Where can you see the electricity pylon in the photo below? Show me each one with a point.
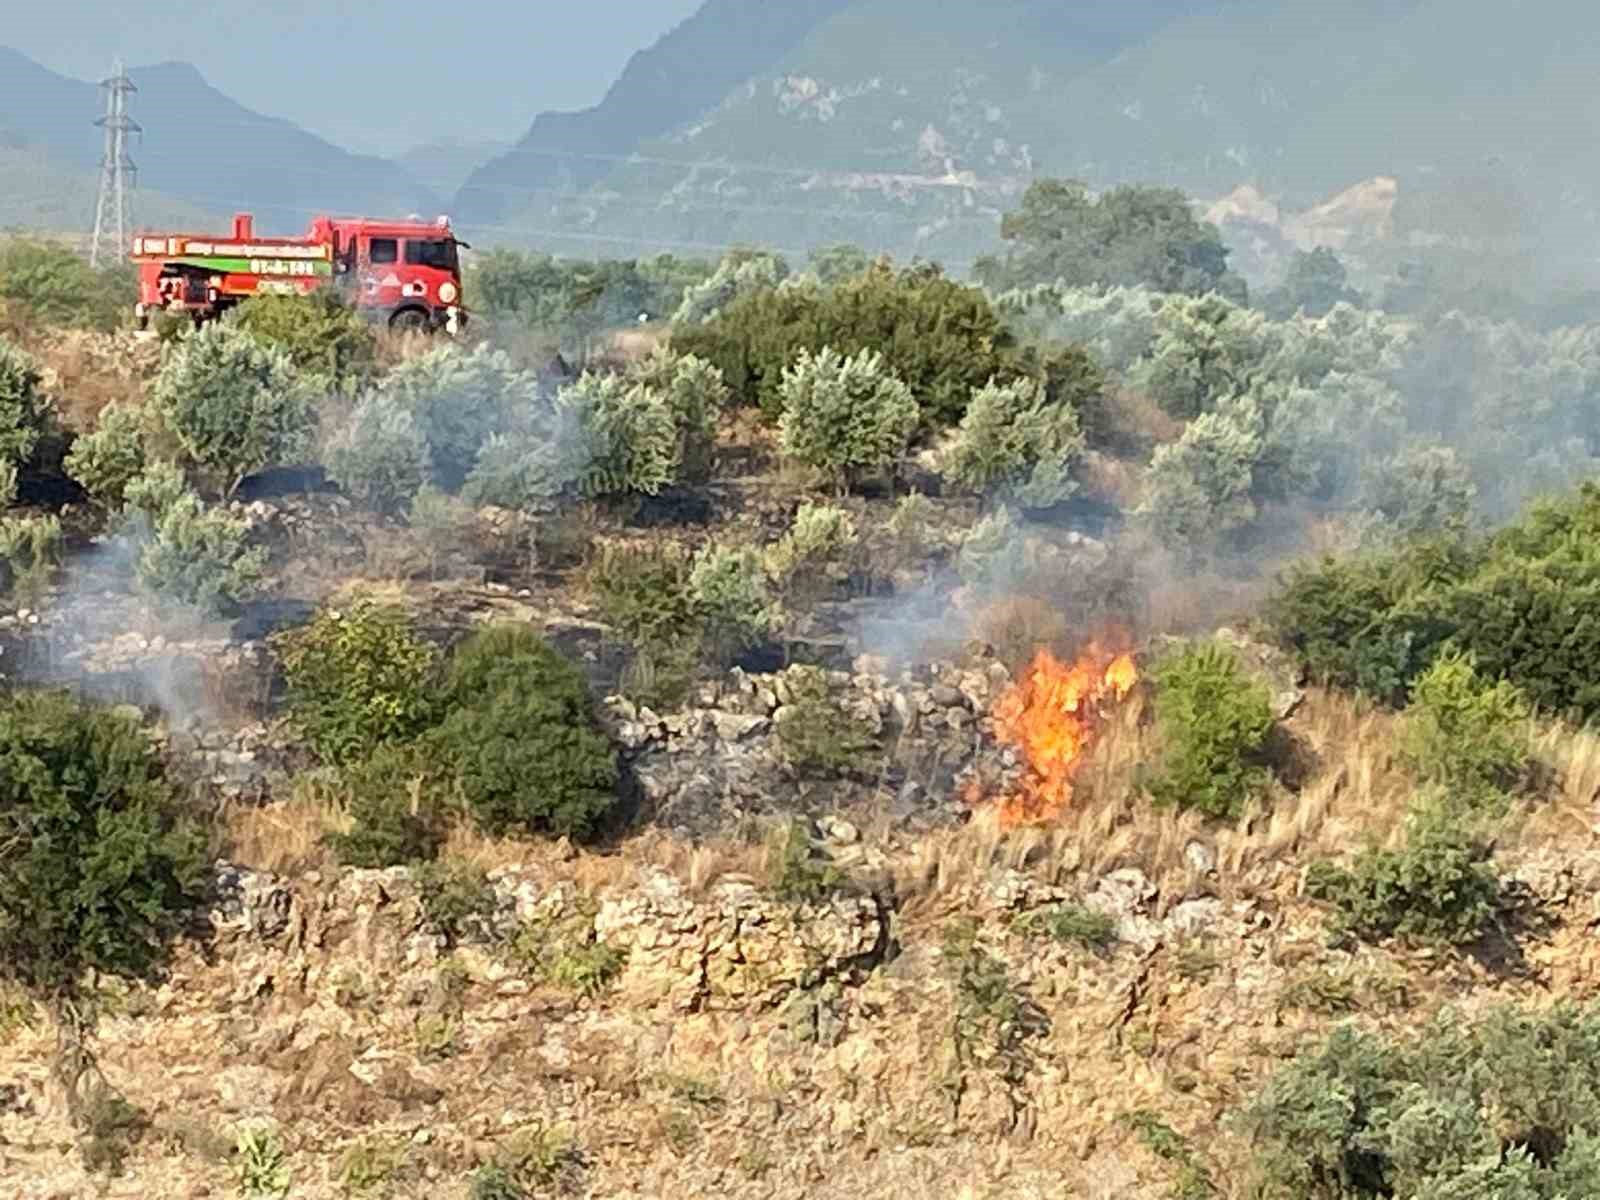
(113, 211)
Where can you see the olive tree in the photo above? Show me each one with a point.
(235, 403)
(845, 416)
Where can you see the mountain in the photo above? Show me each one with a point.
(909, 127)
(686, 73)
(443, 166)
(203, 149)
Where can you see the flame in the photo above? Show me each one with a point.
(1052, 715)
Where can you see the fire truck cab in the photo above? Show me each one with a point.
(407, 273)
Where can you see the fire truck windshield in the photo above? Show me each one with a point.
(437, 253)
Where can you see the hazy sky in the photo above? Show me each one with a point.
(372, 75)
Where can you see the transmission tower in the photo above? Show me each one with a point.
(113, 211)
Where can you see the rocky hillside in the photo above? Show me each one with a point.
(905, 127)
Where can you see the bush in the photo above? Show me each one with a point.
(1420, 491)
(358, 678)
(642, 591)
(1198, 489)
(379, 456)
(57, 287)
(1015, 443)
(740, 273)
(457, 898)
(815, 733)
(1493, 1107)
(394, 812)
(845, 416)
(521, 738)
(235, 404)
(1462, 732)
(458, 400)
(322, 335)
(188, 552)
(942, 338)
(104, 462)
(1438, 889)
(627, 439)
(991, 550)
(25, 416)
(1088, 927)
(100, 867)
(441, 522)
(1516, 602)
(814, 547)
(1214, 723)
(696, 395)
(30, 551)
(795, 873)
(729, 589)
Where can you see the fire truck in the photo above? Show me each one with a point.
(407, 273)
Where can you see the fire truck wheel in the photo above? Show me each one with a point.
(410, 320)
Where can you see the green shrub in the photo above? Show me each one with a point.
(380, 455)
(189, 552)
(521, 739)
(1516, 602)
(1420, 491)
(30, 552)
(845, 416)
(740, 273)
(814, 731)
(1214, 721)
(458, 399)
(101, 868)
(1464, 733)
(358, 678)
(564, 951)
(1438, 889)
(626, 435)
(811, 554)
(1087, 927)
(441, 522)
(796, 874)
(696, 395)
(57, 287)
(642, 590)
(1492, 1108)
(235, 404)
(992, 549)
(1199, 489)
(263, 1164)
(941, 337)
(1016, 444)
(104, 462)
(25, 415)
(728, 586)
(394, 810)
(457, 900)
(322, 335)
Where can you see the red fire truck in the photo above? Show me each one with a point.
(405, 272)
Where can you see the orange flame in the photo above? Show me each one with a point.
(1052, 715)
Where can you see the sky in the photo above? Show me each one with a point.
(373, 76)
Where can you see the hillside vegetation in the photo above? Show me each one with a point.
(860, 733)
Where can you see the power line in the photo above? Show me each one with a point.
(113, 210)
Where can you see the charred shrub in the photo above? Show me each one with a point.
(358, 678)
(521, 740)
(1214, 722)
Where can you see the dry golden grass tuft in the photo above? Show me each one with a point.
(287, 837)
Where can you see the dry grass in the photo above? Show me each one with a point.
(1355, 794)
(287, 837)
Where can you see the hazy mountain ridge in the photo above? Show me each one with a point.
(201, 148)
(910, 128)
